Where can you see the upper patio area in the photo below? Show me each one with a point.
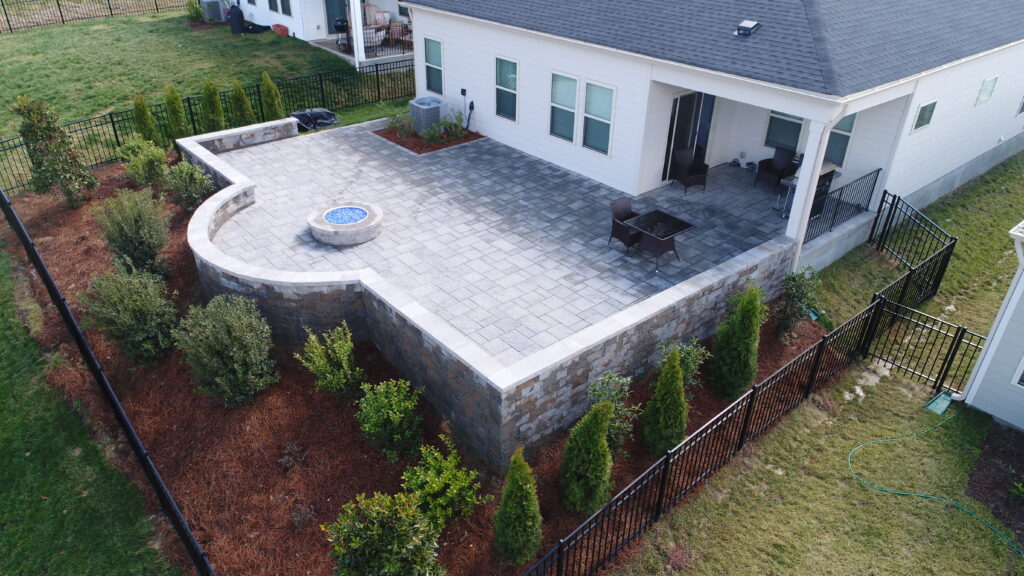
(508, 249)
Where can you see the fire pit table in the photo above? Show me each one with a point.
(658, 232)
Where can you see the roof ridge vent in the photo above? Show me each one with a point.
(747, 27)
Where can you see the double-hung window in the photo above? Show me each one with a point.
(432, 61)
(597, 118)
(839, 140)
(987, 88)
(506, 87)
(286, 7)
(273, 5)
(563, 107)
(783, 130)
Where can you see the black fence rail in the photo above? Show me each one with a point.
(841, 204)
(167, 502)
(920, 282)
(24, 14)
(99, 137)
(905, 232)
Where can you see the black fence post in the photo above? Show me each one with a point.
(60, 12)
(909, 277)
(111, 8)
(878, 215)
(113, 124)
(878, 307)
(259, 100)
(747, 416)
(812, 378)
(884, 234)
(376, 72)
(947, 363)
(7, 16)
(191, 114)
(156, 5)
(945, 264)
(323, 94)
(560, 569)
(663, 485)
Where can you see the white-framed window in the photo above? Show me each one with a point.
(987, 88)
(597, 117)
(432, 62)
(563, 106)
(252, 2)
(273, 5)
(286, 7)
(506, 88)
(924, 115)
(839, 140)
(783, 130)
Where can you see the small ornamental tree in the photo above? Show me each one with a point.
(443, 487)
(241, 108)
(273, 108)
(517, 524)
(615, 389)
(177, 122)
(331, 358)
(227, 345)
(193, 11)
(586, 478)
(387, 416)
(56, 163)
(667, 413)
(736, 343)
(384, 535)
(213, 108)
(135, 226)
(145, 124)
(799, 294)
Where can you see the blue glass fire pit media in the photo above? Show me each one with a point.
(345, 215)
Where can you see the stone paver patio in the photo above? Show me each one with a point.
(509, 249)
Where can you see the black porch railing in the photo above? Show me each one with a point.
(842, 204)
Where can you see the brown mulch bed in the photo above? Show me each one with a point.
(416, 144)
(255, 482)
(1000, 465)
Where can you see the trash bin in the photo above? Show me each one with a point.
(236, 19)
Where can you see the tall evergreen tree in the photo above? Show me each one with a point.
(736, 344)
(145, 125)
(586, 479)
(177, 122)
(241, 109)
(273, 108)
(665, 415)
(517, 524)
(213, 108)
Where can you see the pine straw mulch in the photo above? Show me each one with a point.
(256, 482)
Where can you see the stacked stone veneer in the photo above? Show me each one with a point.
(492, 407)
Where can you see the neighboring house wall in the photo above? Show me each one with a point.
(930, 162)
(260, 13)
(314, 19)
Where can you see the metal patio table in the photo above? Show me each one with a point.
(658, 232)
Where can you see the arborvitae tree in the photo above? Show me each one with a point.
(177, 122)
(145, 125)
(273, 108)
(666, 413)
(241, 109)
(213, 108)
(55, 160)
(517, 524)
(586, 479)
(736, 344)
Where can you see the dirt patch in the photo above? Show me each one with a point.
(1000, 465)
(416, 144)
(255, 482)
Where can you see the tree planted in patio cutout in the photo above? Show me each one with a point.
(56, 163)
(736, 344)
(586, 479)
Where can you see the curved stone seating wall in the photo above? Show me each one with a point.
(492, 407)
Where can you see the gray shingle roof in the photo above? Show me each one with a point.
(837, 47)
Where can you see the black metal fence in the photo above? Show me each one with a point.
(24, 14)
(99, 137)
(170, 507)
(842, 204)
(905, 232)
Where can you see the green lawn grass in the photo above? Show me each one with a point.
(93, 67)
(790, 505)
(63, 509)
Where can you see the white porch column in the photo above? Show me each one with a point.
(807, 178)
(356, 23)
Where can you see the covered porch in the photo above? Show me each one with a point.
(368, 33)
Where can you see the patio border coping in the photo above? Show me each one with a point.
(240, 192)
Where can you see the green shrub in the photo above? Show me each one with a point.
(134, 225)
(432, 134)
(383, 535)
(227, 345)
(131, 307)
(443, 488)
(452, 126)
(735, 365)
(517, 524)
(667, 413)
(586, 477)
(273, 108)
(55, 162)
(177, 122)
(145, 162)
(331, 358)
(193, 11)
(241, 108)
(387, 416)
(213, 108)
(799, 294)
(401, 124)
(145, 125)
(189, 185)
(615, 389)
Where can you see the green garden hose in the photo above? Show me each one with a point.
(849, 463)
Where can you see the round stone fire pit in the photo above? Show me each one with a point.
(347, 224)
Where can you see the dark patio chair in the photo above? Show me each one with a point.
(773, 170)
(688, 171)
(657, 247)
(821, 192)
(622, 210)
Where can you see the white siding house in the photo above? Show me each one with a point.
(997, 384)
